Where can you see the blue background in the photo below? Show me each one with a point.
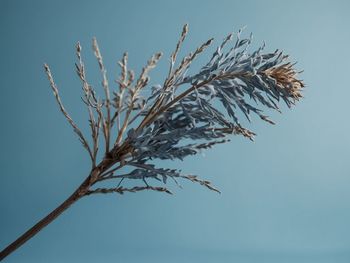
(285, 197)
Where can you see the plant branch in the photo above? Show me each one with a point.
(65, 113)
(122, 190)
(171, 118)
(150, 118)
(95, 126)
(107, 122)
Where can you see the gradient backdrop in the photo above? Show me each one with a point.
(285, 197)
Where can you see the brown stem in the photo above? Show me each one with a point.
(46, 220)
(79, 193)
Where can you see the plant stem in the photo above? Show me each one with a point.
(78, 193)
(46, 220)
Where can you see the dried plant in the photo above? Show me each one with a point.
(185, 115)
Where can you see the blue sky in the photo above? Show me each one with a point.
(285, 197)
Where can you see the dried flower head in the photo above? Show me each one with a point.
(286, 77)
